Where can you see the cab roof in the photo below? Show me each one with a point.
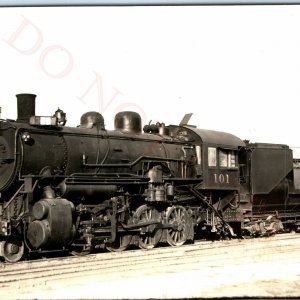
(217, 138)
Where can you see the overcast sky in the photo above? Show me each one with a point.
(236, 68)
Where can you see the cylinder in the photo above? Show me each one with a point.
(170, 190)
(40, 209)
(159, 194)
(86, 190)
(26, 107)
(38, 233)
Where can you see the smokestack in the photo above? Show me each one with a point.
(26, 107)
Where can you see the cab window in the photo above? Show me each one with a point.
(212, 157)
(232, 160)
(223, 159)
(227, 158)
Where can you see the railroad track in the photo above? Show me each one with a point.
(30, 274)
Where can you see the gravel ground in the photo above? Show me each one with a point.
(252, 268)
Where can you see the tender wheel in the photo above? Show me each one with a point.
(120, 244)
(13, 249)
(149, 236)
(179, 220)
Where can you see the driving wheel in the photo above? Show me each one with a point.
(149, 235)
(180, 225)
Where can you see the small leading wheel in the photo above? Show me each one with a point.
(180, 223)
(120, 244)
(81, 248)
(149, 236)
(13, 249)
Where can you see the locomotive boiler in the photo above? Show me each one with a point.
(79, 189)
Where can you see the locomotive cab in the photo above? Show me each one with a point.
(216, 160)
(220, 159)
(221, 167)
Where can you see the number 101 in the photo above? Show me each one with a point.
(221, 178)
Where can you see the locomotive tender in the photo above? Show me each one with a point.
(81, 188)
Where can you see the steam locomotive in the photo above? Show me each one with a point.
(79, 189)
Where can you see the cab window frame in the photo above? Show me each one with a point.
(218, 157)
(212, 157)
(229, 159)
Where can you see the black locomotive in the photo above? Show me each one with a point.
(81, 188)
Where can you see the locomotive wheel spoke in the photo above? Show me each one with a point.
(149, 236)
(178, 218)
(120, 244)
(122, 240)
(13, 249)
